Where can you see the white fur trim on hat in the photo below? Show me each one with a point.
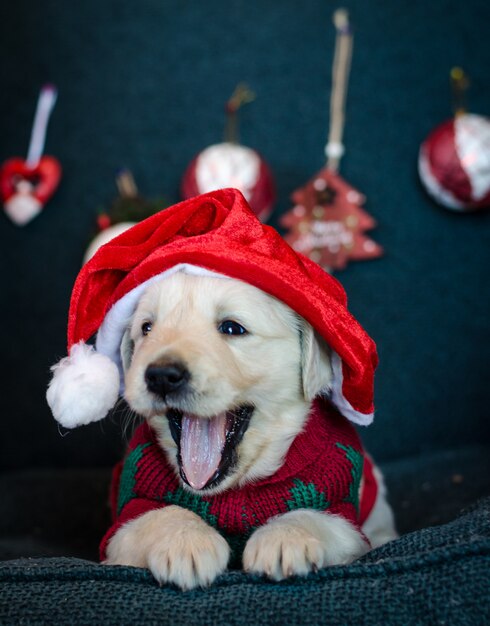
(84, 387)
(337, 397)
(86, 384)
(117, 319)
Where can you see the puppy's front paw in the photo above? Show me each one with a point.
(175, 544)
(302, 541)
(281, 550)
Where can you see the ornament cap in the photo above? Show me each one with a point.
(334, 150)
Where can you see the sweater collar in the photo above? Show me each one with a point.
(323, 425)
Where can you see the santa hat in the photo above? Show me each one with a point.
(212, 234)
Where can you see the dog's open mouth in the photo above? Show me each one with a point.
(207, 446)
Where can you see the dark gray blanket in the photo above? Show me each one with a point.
(440, 575)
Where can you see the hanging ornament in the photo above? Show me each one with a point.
(27, 184)
(230, 164)
(126, 210)
(454, 160)
(327, 222)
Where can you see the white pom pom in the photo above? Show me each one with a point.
(84, 387)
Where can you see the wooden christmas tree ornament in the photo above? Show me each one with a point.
(327, 222)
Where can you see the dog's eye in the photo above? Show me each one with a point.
(146, 327)
(229, 327)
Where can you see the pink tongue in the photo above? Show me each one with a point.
(201, 444)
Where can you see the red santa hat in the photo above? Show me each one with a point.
(217, 234)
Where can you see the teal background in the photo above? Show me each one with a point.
(143, 84)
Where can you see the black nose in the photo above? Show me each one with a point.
(164, 379)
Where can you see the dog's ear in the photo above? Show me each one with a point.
(316, 366)
(127, 348)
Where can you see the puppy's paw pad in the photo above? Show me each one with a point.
(281, 551)
(194, 562)
(300, 542)
(175, 544)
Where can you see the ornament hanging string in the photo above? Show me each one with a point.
(459, 86)
(45, 104)
(126, 185)
(334, 149)
(242, 95)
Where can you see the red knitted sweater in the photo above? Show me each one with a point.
(325, 469)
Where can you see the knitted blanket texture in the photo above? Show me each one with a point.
(439, 575)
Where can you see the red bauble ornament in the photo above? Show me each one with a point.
(232, 165)
(454, 163)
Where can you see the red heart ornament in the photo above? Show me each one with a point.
(25, 189)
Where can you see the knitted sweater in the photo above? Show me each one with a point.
(324, 469)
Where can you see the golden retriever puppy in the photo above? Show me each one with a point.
(227, 379)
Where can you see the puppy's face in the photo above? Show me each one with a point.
(224, 373)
